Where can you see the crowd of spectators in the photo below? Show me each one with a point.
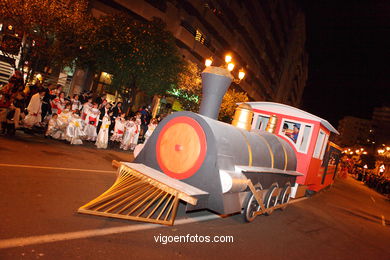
(378, 182)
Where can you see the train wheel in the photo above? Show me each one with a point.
(284, 197)
(271, 199)
(251, 206)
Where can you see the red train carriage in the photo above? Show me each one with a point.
(308, 135)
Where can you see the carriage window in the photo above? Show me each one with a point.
(320, 145)
(262, 122)
(305, 138)
(298, 133)
(291, 130)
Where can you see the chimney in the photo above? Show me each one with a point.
(215, 82)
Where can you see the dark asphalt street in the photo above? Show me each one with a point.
(38, 217)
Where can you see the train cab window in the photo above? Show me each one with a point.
(298, 133)
(319, 150)
(262, 122)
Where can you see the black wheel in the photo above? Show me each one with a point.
(284, 196)
(271, 199)
(250, 207)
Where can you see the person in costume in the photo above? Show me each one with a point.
(137, 123)
(130, 128)
(87, 106)
(152, 125)
(74, 130)
(58, 103)
(102, 138)
(76, 104)
(53, 128)
(34, 110)
(119, 128)
(91, 121)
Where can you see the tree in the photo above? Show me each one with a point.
(189, 93)
(141, 56)
(51, 33)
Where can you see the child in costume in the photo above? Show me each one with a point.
(130, 128)
(91, 121)
(152, 125)
(102, 138)
(74, 130)
(119, 128)
(53, 128)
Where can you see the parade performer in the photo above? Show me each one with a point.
(34, 110)
(76, 104)
(137, 123)
(53, 128)
(74, 130)
(119, 128)
(87, 106)
(151, 127)
(58, 103)
(130, 129)
(102, 138)
(91, 121)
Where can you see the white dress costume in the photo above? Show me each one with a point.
(119, 129)
(91, 124)
(34, 111)
(63, 121)
(128, 136)
(76, 105)
(102, 138)
(148, 133)
(74, 130)
(53, 129)
(134, 140)
(86, 109)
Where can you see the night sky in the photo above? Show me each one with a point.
(349, 57)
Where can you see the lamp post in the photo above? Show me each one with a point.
(215, 82)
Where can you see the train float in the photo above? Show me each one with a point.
(270, 153)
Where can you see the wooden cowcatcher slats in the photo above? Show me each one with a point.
(138, 196)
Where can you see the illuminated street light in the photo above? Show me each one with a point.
(241, 74)
(228, 58)
(230, 66)
(208, 62)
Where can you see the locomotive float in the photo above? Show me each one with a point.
(270, 153)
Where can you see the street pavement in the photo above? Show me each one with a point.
(43, 182)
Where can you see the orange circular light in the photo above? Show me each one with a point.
(181, 147)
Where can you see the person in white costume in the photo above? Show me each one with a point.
(137, 122)
(76, 104)
(64, 119)
(102, 138)
(91, 121)
(152, 125)
(119, 128)
(74, 130)
(53, 128)
(130, 128)
(87, 106)
(34, 110)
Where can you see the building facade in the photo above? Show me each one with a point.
(381, 124)
(355, 131)
(266, 38)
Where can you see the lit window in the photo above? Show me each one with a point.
(199, 36)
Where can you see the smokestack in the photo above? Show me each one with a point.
(215, 82)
